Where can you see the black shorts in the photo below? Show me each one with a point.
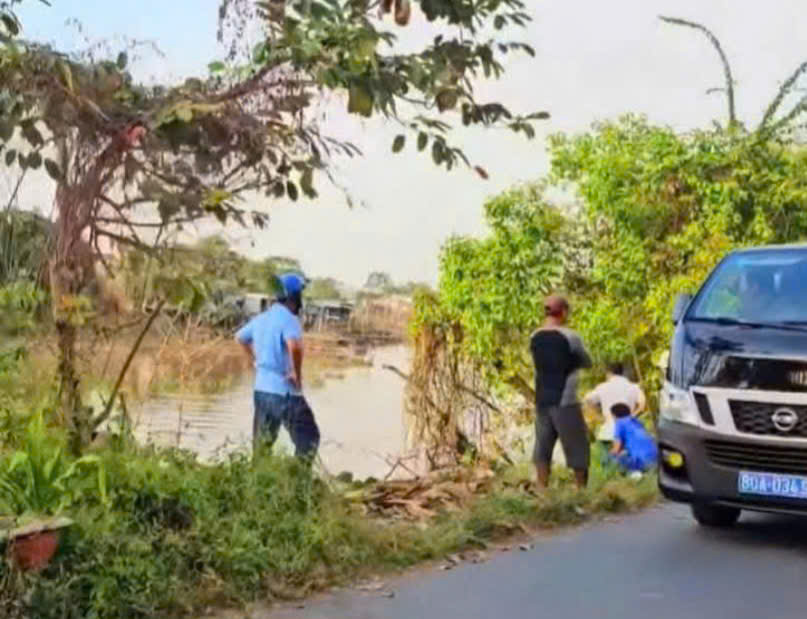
(566, 423)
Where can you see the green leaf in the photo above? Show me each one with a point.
(423, 140)
(360, 101)
(291, 190)
(437, 152)
(11, 155)
(365, 49)
(447, 99)
(11, 24)
(32, 134)
(399, 143)
(216, 67)
(67, 75)
(123, 60)
(34, 161)
(184, 113)
(307, 183)
(6, 129)
(528, 49)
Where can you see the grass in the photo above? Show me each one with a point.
(176, 536)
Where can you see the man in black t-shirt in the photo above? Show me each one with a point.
(559, 355)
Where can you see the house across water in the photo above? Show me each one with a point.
(326, 315)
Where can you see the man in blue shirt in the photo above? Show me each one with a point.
(273, 340)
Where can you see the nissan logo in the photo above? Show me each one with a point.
(785, 419)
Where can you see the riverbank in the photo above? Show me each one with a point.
(195, 361)
(170, 537)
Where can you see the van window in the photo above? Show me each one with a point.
(766, 286)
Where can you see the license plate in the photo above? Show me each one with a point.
(772, 484)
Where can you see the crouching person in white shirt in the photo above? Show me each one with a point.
(616, 389)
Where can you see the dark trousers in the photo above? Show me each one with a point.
(294, 414)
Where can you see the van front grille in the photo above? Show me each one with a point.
(751, 457)
(757, 418)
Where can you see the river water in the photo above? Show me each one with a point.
(360, 415)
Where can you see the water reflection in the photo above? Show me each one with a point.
(360, 417)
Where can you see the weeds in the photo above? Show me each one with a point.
(158, 534)
(39, 480)
(174, 536)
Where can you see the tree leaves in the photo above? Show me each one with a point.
(423, 141)
(11, 156)
(437, 152)
(31, 134)
(53, 170)
(399, 143)
(67, 75)
(447, 99)
(307, 183)
(360, 101)
(6, 129)
(184, 113)
(291, 190)
(34, 160)
(491, 289)
(11, 24)
(216, 67)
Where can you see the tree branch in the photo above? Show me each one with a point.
(110, 403)
(470, 392)
(785, 90)
(723, 59)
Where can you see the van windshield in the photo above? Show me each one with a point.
(763, 287)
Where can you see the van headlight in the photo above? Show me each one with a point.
(676, 405)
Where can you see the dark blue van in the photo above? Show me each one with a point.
(733, 409)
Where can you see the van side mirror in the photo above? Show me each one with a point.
(682, 302)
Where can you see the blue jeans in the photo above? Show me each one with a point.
(294, 414)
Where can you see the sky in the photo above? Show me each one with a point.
(595, 61)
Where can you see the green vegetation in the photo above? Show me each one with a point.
(23, 237)
(169, 536)
(131, 164)
(155, 532)
(656, 211)
(190, 275)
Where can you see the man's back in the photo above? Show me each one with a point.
(268, 333)
(616, 390)
(558, 354)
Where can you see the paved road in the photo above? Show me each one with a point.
(656, 565)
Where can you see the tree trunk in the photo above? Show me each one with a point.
(73, 412)
(69, 268)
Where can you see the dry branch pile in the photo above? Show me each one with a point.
(424, 497)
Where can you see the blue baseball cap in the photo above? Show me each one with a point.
(290, 284)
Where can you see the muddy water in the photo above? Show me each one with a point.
(360, 417)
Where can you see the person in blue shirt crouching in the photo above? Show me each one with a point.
(273, 340)
(634, 450)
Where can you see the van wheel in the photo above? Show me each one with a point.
(715, 515)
